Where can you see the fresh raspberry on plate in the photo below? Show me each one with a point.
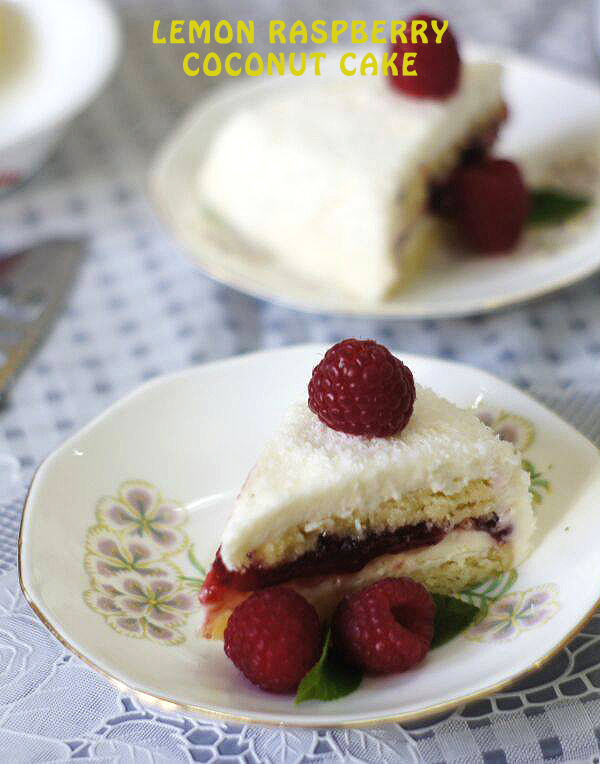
(490, 203)
(386, 627)
(437, 64)
(274, 638)
(360, 388)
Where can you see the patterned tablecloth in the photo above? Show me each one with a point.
(139, 309)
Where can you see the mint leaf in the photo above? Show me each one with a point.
(451, 617)
(328, 679)
(550, 206)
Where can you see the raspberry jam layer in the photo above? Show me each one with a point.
(336, 555)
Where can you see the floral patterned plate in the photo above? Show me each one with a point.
(122, 520)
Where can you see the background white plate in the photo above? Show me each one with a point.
(194, 435)
(547, 109)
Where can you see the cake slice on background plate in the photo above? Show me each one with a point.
(373, 478)
(336, 177)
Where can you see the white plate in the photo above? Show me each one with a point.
(192, 437)
(55, 59)
(451, 285)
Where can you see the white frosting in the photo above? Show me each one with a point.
(321, 174)
(309, 472)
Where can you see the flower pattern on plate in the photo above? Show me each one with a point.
(135, 584)
(139, 606)
(510, 427)
(109, 553)
(516, 613)
(140, 511)
(520, 432)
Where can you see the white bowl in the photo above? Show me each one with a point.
(54, 59)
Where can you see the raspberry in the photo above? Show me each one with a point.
(437, 64)
(274, 638)
(490, 204)
(386, 627)
(360, 388)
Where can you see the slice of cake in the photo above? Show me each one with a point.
(333, 177)
(442, 500)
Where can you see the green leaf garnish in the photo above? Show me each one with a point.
(550, 206)
(328, 679)
(451, 617)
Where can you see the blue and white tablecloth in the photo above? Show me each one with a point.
(139, 309)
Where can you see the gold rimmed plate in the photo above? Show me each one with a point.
(122, 520)
(560, 150)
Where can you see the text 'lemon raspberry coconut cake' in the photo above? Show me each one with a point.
(374, 477)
